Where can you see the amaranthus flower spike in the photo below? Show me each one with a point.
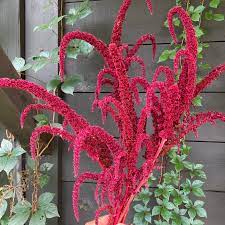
(120, 178)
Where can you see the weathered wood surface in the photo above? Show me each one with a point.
(208, 148)
(35, 42)
(88, 67)
(10, 27)
(138, 21)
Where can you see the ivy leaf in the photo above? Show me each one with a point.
(45, 198)
(139, 208)
(49, 26)
(195, 16)
(78, 13)
(6, 147)
(201, 212)
(218, 17)
(214, 3)
(166, 214)
(20, 65)
(7, 163)
(18, 151)
(38, 218)
(45, 58)
(198, 192)
(199, 9)
(22, 212)
(45, 167)
(138, 218)
(148, 217)
(68, 85)
(185, 220)
(3, 208)
(79, 47)
(44, 179)
(192, 213)
(51, 211)
(156, 210)
(53, 84)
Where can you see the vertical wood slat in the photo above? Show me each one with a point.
(35, 42)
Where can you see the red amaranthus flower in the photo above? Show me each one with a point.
(120, 178)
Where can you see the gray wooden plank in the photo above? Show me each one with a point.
(88, 67)
(40, 40)
(211, 155)
(211, 101)
(101, 21)
(36, 42)
(10, 27)
(214, 206)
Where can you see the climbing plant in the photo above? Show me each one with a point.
(175, 196)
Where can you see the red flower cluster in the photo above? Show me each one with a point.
(120, 178)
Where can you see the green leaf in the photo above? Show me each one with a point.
(6, 146)
(4, 220)
(51, 211)
(78, 13)
(22, 212)
(198, 192)
(45, 199)
(78, 47)
(53, 84)
(209, 15)
(199, 32)
(20, 64)
(45, 167)
(44, 179)
(38, 218)
(199, 203)
(195, 17)
(148, 217)
(214, 3)
(199, 9)
(218, 17)
(39, 63)
(197, 101)
(18, 151)
(201, 212)
(164, 56)
(168, 205)
(68, 85)
(49, 26)
(192, 213)
(7, 163)
(22, 207)
(166, 214)
(139, 208)
(138, 218)
(185, 220)
(156, 210)
(197, 184)
(3, 208)
(41, 118)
